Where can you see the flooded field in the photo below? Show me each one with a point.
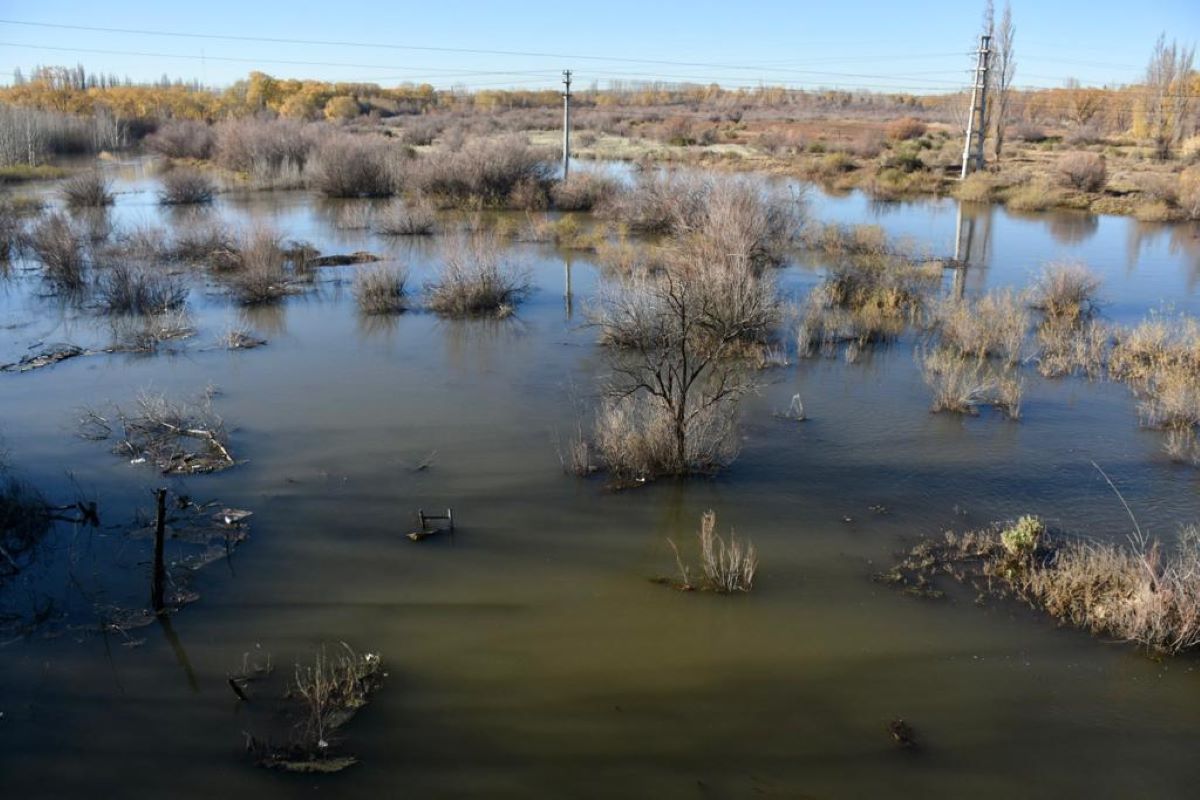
(530, 654)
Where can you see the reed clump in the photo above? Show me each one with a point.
(87, 190)
(406, 219)
(963, 383)
(993, 325)
(474, 281)
(726, 566)
(60, 249)
(1066, 292)
(1139, 592)
(139, 290)
(381, 289)
(186, 187)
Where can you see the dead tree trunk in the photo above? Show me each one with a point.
(159, 579)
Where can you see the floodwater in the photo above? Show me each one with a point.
(529, 655)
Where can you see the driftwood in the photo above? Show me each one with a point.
(358, 257)
(45, 358)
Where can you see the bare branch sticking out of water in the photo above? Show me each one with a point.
(177, 437)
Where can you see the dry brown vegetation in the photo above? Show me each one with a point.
(406, 219)
(60, 249)
(139, 290)
(186, 187)
(474, 281)
(993, 325)
(1086, 172)
(86, 190)
(725, 566)
(1141, 592)
(381, 289)
(963, 382)
(176, 437)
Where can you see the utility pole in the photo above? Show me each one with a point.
(566, 122)
(973, 149)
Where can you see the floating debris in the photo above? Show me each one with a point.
(358, 257)
(45, 358)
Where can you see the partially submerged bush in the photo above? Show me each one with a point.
(1138, 592)
(991, 326)
(1086, 172)
(176, 437)
(658, 203)
(138, 290)
(474, 281)
(60, 249)
(636, 439)
(740, 223)
(963, 383)
(260, 269)
(381, 289)
(183, 187)
(406, 219)
(727, 566)
(323, 698)
(261, 146)
(87, 190)
(1066, 292)
(1072, 347)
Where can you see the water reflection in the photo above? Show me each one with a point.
(1069, 227)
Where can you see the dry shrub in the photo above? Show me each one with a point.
(1065, 292)
(963, 383)
(727, 566)
(1067, 348)
(905, 128)
(658, 202)
(183, 138)
(1033, 196)
(381, 289)
(246, 145)
(1189, 192)
(139, 290)
(1085, 172)
(356, 166)
(185, 187)
(635, 438)
(474, 281)
(483, 172)
(143, 333)
(1137, 592)
(979, 187)
(260, 268)
(1158, 344)
(740, 223)
(992, 326)
(60, 249)
(406, 219)
(847, 240)
(582, 191)
(86, 190)
(209, 241)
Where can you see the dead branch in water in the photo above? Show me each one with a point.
(177, 437)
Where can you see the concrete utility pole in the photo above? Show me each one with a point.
(566, 123)
(975, 119)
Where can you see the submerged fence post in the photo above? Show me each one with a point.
(159, 579)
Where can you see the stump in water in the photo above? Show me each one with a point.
(158, 581)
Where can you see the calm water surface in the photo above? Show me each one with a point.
(530, 655)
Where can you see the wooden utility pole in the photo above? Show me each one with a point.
(973, 149)
(566, 158)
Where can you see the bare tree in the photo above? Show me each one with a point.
(1167, 94)
(675, 346)
(988, 28)
(1004, 67)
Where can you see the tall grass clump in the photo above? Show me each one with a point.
(183, 138)
(474, 281)
(727, 566)
(406, 219)
(347, 165)
(381, 289)
(60, 249)
(1066, 292)
(963, 383)
(992, 326)
(86, 190)
(186, 187)
(125, 289)
(260, 269)
(582, 191)
(1140, 591)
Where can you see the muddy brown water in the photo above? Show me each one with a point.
(530, 656)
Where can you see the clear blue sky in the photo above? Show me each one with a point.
(913, 46)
